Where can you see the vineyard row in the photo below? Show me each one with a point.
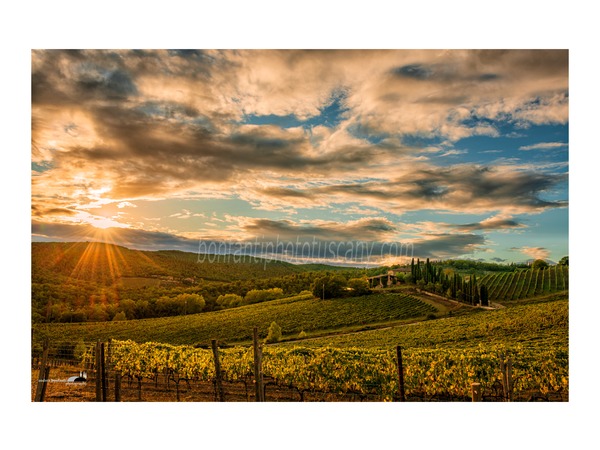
(437, 372)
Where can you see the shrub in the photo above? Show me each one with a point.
(119, 316)
(80, 349)
(274, 334)
(229, 300)
(262, 295)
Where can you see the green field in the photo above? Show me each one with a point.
(505, 286)
(294, 314)
(540, 324)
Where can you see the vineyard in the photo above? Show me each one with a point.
(543, 324)
(293, 314)
(428, 373)
(441, 360)
(527, 283)
(336, 374)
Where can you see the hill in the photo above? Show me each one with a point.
(79, 282)
(542, 323)
(107, 263)
(293, 314)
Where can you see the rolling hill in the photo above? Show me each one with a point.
(106, 263)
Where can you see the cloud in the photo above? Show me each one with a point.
(459, 188)
(126, 205)
(357, 243)
(533, 252)
(454, 152)
(131, 238)
(364, 229)
(140, 114)
(544, 146)
(441, 246)
(490, 224)
(118, 127)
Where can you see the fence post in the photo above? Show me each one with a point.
(400, 373)
(507, 382)
(219, 383)
(103, 372)
(98, 367)
(476, 393)
(263, 387)
(40, 390)
(108, 362)
(45, 385)
(257, 367)
(509, 379)
(117, 387)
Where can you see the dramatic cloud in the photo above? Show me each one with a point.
(122, 138)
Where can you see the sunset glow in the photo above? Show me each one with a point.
(459, 153)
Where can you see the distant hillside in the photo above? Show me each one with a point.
(106, 263)
(294, 315)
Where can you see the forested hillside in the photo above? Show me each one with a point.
(80, 282)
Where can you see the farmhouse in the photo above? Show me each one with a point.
(388, 279)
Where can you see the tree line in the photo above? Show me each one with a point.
(439, 280)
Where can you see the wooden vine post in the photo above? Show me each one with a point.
(219, 378)
(117, 387)
(101, 386)
(43, 374)
(258, 376)
(476, 392)
(400, 373)
(103, 372)
(507, 381)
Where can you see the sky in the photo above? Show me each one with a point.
(351, 157)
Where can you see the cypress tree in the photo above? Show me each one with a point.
(454, 285)
(483, 295)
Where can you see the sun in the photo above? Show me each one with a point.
(97, 221)
(104, 222)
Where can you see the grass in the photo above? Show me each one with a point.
(540, 322)
(293, 314)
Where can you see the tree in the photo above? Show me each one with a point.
(128, 308)
(142, 309)
(483, 295)
(274, 334)
(189, 303)
(564, 261)
(229, 300)
(328, 286)
(119, 316)
(359, 286)
(262, 295)
(539, 264)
